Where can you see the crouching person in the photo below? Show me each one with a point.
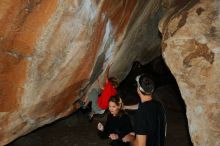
(118, 123)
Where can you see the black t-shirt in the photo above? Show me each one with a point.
(150, 120)
(120, 125)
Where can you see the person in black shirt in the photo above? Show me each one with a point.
(118, 123)
(150, 120)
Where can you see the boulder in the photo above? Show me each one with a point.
(191, 49)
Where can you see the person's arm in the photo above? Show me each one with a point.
(106, 75)
(100, 85)
(140, 140)
(131, 107)
(126, 126)
(103, 130)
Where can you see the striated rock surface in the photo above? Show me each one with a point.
(53, 50)
(191, 49)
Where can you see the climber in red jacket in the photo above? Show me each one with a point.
(100, 97)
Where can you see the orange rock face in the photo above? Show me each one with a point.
(21, 23)
(52, 50)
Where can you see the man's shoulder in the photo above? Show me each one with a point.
(150, 103)
(157, 103)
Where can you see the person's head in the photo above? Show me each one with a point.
(114, 81)
(145, 84)
(115, 105)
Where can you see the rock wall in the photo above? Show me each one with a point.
(53, 50)
(191, 49)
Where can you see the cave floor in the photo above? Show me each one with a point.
(76, 130)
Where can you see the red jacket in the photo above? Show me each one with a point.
(103, 99)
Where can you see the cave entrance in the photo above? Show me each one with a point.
(167, 92)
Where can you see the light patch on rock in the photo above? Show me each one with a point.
(91, 9)
(216, 50)
(107, 39)
(202, 39)
(108, 44)
(198, 109)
